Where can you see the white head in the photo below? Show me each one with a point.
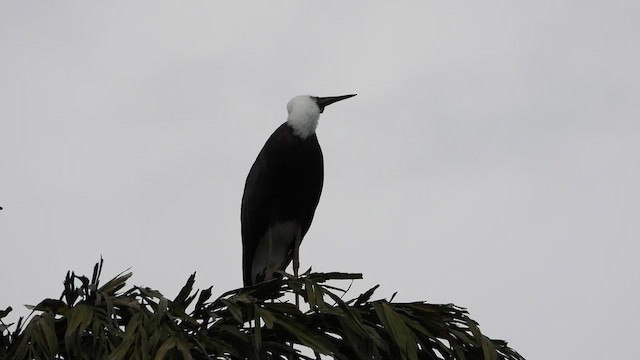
(304, 113)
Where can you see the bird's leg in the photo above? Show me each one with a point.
(296, 254)
(296, 268)
(296, 261)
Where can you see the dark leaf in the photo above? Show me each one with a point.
(5, 312)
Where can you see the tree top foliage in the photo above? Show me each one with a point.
(111, 321)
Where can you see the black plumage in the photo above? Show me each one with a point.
(284, 185)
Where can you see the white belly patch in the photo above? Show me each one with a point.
(282, 236)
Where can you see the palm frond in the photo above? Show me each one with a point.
(89, 321)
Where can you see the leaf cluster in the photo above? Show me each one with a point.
(93, 321)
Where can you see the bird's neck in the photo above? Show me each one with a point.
(303, 126)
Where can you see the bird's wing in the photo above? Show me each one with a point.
(255, 202)
(259, 192)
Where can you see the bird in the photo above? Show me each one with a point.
(282, 191)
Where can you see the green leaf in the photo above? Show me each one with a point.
(53, 305)
(473, 326)
(399, 331)
(173, 343)
(129, 338)
(266, 315)
(115, 284)
(305, 335)
(488, 351)
(322, 277)
(363, 298)
(183, 346)
(5, 312)
(311, 298)
(182, 299)
(163, 305)
(47, 328)
(79, 317)
(234, 309)
(319, 298)
(257, 331)
(348, 312)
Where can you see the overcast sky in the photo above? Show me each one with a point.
(490, 159)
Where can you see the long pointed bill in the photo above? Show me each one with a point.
(326, 101)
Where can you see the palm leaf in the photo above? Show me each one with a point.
(113, 322)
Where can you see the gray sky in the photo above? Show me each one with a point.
(489, 160)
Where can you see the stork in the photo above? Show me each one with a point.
(282, 191)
